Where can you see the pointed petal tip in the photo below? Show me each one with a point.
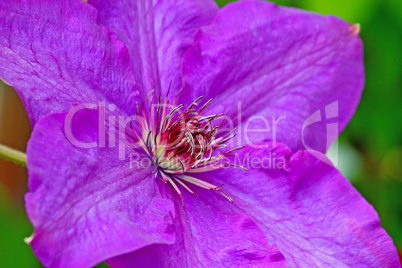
(29, 239)
(355, 29)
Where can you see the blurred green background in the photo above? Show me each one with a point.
(370, 147)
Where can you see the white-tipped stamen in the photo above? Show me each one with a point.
(182, 142)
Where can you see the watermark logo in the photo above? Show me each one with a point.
(330, 118)
(114, 132)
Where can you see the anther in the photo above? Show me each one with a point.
(182, 142)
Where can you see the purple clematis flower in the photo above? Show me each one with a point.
(89, 202)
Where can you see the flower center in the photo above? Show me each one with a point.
(182, 141)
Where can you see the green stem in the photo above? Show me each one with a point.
(13, 155)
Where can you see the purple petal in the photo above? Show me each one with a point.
(86, 205)
(157, 34)
(308, 209)
(56, 56)
(277, 61)
(207, 235)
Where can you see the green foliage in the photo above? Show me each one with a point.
(354, 11)
(14, 227)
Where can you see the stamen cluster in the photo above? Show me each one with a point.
(182, 141)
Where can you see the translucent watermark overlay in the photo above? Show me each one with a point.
(115, 131)
(247, 161)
